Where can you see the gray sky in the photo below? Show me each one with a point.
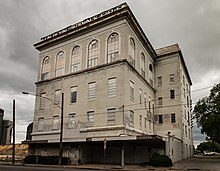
(193, 24)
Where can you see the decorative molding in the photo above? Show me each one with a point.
(86, 21)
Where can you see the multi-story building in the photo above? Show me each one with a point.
(120, 94)
(5, 129)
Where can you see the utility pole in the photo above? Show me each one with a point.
(13, 145)
(61, 131)
(61, 121)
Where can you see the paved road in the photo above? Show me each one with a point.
(26, 168)
(211, 163)
(202, 163)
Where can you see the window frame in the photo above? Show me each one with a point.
(91, 116)
(131, 117)
(142, 65)
(173, 118)
(140, 121)
(113, 54)
(93, 53)
(159, 81)
(55, 124)
(40, 126)
(172, 94)
(111, 113)
(75, 59)
(160, 119)
(73, 94)
(60, 70)
(131, 51)
(172, 79)
(160, 101)
(112, 87)
(42, 101)
(131, 88)
(57, 97)
(91, 91)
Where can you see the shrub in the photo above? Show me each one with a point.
(50, 160)
(160, 160)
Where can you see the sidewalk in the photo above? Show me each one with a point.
(118, 167)
(97, 167)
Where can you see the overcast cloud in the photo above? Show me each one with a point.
(193, 24)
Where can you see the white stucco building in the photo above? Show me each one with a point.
(116, 87)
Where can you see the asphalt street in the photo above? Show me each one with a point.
(211, 163)
(202, 163)
(26, 168)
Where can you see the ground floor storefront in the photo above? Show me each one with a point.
(109, 151)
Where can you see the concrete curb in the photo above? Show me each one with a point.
(109, 168)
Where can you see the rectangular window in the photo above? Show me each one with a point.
(91, 91)
(72, 120)
(153, 108)
(173, 118)
(131, 118)
(140, 96)
(184, 92)
(188, 120)
(57, 97)
(73, 95)
(90, 116)
(145, 122)
(42, 100)
(149, 104)
(186, 130)
(140, 123)
(187, 88)
(111, 87)
(145, 100)
(159, 81)
(160, 119)
(111, 115)
(55, 122)
(40, 124)
(160, 101)
(171, 78)
(189, 133)
(183, 80)
(131, 91)
(172, 94)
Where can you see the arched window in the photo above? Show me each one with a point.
(45, 68)
(59, 69)
(132, 52)
(75, 59)
(46, 60)
(93, 53)
(142, 65)
(113, 47)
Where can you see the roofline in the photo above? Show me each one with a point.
(122, 10)
(182, 59)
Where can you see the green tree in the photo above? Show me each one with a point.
(208, 146)
(207, 114)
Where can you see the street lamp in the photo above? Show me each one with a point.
(61, 124)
